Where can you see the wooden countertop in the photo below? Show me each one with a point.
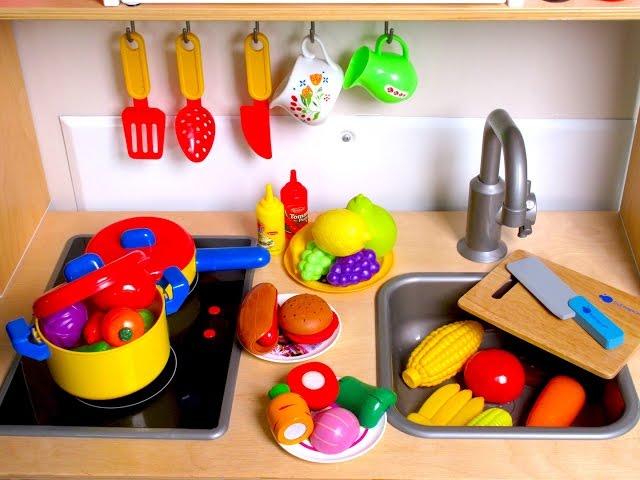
(593, 243)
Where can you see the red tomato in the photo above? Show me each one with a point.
(613, 402)
(494, 374)
(121, 325)
(91, 330)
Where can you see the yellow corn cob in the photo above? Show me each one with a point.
(442, 353)
(448, 406)
(493, 417)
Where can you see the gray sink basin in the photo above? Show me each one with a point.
(410, 306)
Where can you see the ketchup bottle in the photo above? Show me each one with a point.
(294, 198)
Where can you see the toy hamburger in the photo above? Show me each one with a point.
(307, 319)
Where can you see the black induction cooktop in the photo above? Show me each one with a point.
(190, 399)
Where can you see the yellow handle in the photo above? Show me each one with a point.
(258, 67)
(190, 67)
(134, 66)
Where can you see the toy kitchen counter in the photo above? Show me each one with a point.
(593, 243)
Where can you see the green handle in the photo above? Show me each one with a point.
(383, 38)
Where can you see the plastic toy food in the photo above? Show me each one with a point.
(289, 416)
(121, 325)
(448, 406)
(558, 404)
(340, 232)
(613, 402)
(494, 374)
(315, 382)
(493, 417)
(382, 228)
(258, 319)
(64, 328)
(100, 346)
(353, 269)
(442, 353)
(314, 263)
(91, 331)
(367, 402)
(307, 319)
(147, 318)
(335, 430)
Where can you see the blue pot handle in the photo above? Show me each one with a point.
(80, 266)
(231, 258)
(137, 238)
(19, 333)
(174, 278)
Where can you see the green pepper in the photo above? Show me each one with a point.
(147, 318)
(100, 346)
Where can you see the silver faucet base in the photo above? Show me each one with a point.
(480, 256)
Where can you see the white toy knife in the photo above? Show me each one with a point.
(564, 303)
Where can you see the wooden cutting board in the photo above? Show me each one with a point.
(521, 314)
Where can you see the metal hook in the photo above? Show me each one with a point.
(256, 31)
(129, 29)
(312, 32)
(388, 33)
(186, 31)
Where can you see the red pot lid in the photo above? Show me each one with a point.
(173, 244)
(121, 270)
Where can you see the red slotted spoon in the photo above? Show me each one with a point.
(195, 128)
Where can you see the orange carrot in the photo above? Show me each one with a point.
(558, 404)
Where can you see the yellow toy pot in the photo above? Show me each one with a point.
(106, 374)
(116, 372)
(100, 375)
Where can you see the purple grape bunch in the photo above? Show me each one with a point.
(356, 268)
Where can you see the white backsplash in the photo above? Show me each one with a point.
(403, 163)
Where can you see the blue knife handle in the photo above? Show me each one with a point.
(596, 323)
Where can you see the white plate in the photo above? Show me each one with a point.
(289, 352)
(368, 438)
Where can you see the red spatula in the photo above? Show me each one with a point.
(143, 126)
(254, 119)
(195, 128)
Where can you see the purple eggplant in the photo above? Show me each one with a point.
(64, 328)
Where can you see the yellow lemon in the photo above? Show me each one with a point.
(340, 232)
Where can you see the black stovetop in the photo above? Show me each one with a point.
(190, 399)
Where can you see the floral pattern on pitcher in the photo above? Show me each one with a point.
(307, 106)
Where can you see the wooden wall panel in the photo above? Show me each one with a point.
(630, 208)
(23, 189)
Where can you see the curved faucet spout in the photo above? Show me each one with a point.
(501, 133)
(494, 202)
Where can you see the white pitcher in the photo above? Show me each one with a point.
(312, 88)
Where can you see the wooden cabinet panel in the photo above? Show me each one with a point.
(23, 189)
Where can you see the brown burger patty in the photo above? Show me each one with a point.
(305, 314)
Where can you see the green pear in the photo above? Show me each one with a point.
(382, 227)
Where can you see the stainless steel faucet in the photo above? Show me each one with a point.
(490, 206)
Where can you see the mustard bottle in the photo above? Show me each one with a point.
(270, 216)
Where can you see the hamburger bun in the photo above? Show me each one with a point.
(305, 314)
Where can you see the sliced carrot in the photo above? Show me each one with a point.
(558, 404)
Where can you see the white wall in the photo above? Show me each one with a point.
(554, 70)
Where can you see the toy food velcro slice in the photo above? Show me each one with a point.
(257, 328)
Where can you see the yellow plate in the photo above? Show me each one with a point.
(292, 256)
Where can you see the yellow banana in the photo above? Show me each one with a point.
(448, 405)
